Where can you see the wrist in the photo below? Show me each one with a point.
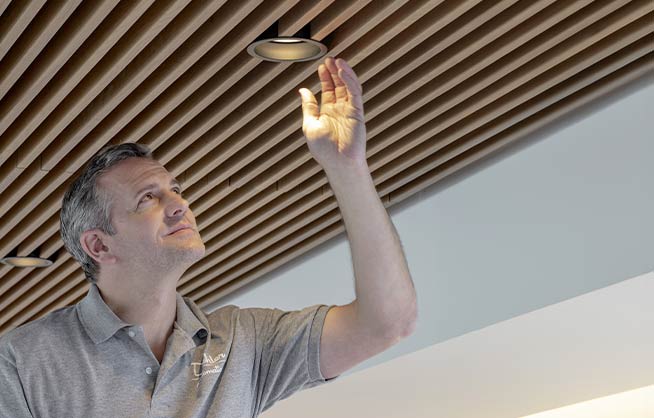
(348, 173)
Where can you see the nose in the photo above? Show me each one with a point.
(177, 206)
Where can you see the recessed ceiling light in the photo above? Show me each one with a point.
(297, 48)
(27, 261)
(31, 260)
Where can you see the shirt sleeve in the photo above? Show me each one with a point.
(12, 396)
(290, 352)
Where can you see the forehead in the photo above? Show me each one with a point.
(131, 173)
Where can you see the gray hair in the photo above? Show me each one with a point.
(87, 206)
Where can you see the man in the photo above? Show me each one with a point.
(134, 347)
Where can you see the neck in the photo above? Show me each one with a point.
(138, 302)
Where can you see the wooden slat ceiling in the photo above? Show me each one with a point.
(445, 84)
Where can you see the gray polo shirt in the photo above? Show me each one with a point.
(83, 361)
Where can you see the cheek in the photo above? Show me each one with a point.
(138, 233)
(150, 231)
(190, 216)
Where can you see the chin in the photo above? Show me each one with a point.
(196, 253)
(201, 252)
(186, 256)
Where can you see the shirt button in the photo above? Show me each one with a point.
(148, 370)
(131, 333)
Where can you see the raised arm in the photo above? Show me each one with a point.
(385, 308)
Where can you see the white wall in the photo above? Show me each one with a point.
(594, 345)
(539, 224)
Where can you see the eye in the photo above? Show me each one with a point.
(149, 194)
(178, 190)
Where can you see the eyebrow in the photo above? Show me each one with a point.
(150, 186)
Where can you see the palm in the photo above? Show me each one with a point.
(335, 133)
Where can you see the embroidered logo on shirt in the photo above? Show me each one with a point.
(212, 365)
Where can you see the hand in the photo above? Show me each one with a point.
(335, 133)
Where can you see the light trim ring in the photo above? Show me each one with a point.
(287, 49)
(26, 261)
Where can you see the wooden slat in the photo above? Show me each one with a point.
(204, 83)
(31, 43)
(204, 133)
(599, 54)
(431, 177)
(290, 123)
(446, 83)
(27, 277)
(49, 228)
(448, 77)
(63, 45)
(76, 69)
(3, 5)
(144, 30)
(120, 91)
(89, 101)
(13, 22)
(625, 75)
(396, 5)
(271, 174)
(35, 279)
(249, 172)
(305, 11)
(259, 257)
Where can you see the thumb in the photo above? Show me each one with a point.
(309, 105)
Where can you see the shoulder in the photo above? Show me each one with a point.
(234, 316)
(260, 318)
(235, 320)
(236, 313)
(51, 329)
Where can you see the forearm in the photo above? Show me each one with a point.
(385, 294)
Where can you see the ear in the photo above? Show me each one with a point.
(94, 242)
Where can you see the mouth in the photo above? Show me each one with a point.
(181, 230)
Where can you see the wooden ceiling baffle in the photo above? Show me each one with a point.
(446, 84)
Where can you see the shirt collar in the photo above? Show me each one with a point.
(191, 320)
(101, 323)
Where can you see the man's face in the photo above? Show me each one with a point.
(146, 207)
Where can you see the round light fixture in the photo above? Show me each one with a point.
(297, 48)
(287, 49)
(31, 260)
(26, 261)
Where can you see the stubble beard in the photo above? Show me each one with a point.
(184, 256)
(163, 260)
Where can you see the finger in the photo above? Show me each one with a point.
(309, 105)
(340, 89)
(354, 90)
(327, 86)
(341, 64)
